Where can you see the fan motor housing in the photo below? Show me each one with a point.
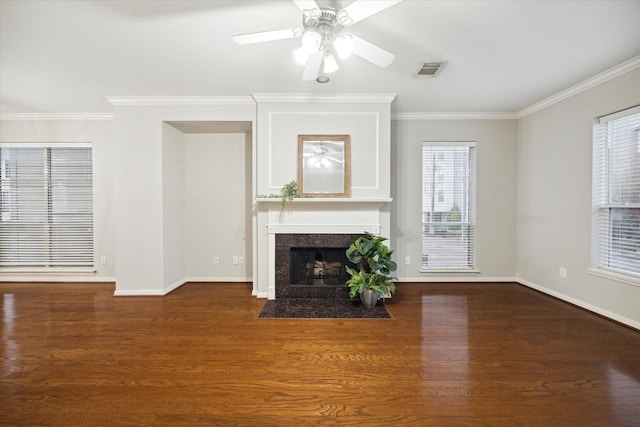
(326, 24)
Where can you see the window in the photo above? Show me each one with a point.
(47, 206)
(617, 193)
(448, 206)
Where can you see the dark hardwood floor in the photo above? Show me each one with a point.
(455, 354)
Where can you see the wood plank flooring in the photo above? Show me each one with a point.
(455, 355)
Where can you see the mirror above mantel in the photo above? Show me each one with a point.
(324, 165)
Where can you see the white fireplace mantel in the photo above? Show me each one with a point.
(325, 200)
(316, 216)
(323, 215)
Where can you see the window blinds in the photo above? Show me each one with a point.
(448, 206)
(617, 192)
(47, 207)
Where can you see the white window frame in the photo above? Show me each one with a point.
(604, 258)
(468, 220)
(51, 264)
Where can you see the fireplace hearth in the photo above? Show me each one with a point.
(312, 265)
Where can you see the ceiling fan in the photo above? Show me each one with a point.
(323, 38)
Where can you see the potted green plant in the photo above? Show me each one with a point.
(288, 192)
(371, 280)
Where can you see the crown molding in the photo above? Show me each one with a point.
(454, 116)
(56, 116)
(179, 100)
(603, 77)
(594, 81)
(367, 98)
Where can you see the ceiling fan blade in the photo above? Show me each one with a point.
(371, 52)
(361, 9)
(308, 7)
(312, 68)
(267, 36)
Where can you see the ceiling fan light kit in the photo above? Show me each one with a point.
(312, 41)
(322, 38)
(343, 45)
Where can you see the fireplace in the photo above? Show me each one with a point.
(312, 265)
(318, 266)
(308, 226)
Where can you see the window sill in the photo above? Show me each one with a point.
(450, 271)
(44, 270)
(618, 277)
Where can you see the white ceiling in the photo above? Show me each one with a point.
(501, 56)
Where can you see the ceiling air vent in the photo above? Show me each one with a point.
(428, 69)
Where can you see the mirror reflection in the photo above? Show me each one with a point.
(323, 165)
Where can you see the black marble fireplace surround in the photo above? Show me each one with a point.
(303, 248)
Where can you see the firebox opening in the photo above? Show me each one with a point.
(319, 266)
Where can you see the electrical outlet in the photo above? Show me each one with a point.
(563, 272)
(103, 260)
(216, 259)
(407, 260)
(235, 259)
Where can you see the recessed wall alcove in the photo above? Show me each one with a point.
(176, 158)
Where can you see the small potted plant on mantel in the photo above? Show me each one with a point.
(288, 192)
(371, 280)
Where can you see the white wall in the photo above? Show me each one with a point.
(496, 194)
(139, 209)
(173, 206)
(555, 200)
(218, 206)
(100, 134)
(367, 122)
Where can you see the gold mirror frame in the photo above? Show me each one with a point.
(324, 164)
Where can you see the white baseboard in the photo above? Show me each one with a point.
(58, 278)
(139, 293)
(454, 278)
(148, 292)
(219, 279)
(599, 310)
(176, 285)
